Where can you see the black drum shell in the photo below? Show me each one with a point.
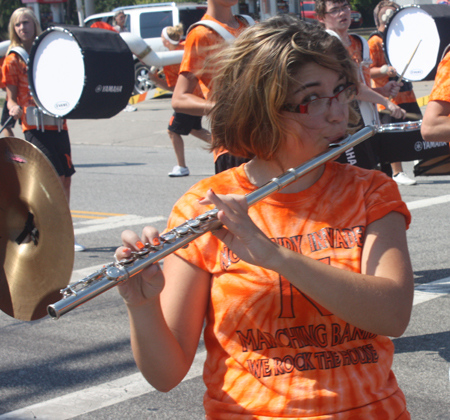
(107, 62)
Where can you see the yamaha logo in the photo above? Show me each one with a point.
(108, 89)
(416, 72)
(418, 146)
(62, 105)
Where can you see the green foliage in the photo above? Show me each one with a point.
(7, 7)
(365, 7)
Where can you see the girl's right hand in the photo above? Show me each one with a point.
(149, 283)
(16, 112)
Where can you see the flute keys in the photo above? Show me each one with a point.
(182, 230)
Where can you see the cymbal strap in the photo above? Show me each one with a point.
(29, 229)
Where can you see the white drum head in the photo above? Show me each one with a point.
(58, 73)
(405, 30)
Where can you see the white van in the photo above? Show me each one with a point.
(147, 22)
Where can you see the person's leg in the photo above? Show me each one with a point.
(202, 134)
(66, 182)
(178, 147)
(399, 176)
(396, 168)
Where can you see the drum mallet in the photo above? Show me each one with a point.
(6, 123)
(407, 65)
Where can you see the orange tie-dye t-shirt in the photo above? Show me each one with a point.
(272, 351)
(378, 60)
(203, 42)
(15, 73)
(441, 88)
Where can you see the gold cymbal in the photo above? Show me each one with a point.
(34, 270)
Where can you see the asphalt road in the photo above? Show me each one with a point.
(81, 367)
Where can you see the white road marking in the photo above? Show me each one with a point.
(96, 397)
(115, 222)
(413, 205)
(432, 290)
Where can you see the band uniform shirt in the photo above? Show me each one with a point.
(355, 51)
(203, 42)
(171, 72)
(378, 60)
(273, 352)
(15, 73)
(441, 87)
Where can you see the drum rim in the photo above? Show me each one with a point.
(385, 33)
(30, 75)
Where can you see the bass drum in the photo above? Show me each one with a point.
(427, 24)
(80, 73)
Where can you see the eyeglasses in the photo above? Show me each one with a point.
(337, 10)
(321, 105)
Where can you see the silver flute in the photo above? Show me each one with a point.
(115, 273)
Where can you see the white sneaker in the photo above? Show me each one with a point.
(130, 108)
(179, 171)
(402, 179)
(79, 247)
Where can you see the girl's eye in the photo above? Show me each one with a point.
(340, 88)
(309, 98)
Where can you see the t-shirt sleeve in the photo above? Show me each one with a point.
(383, 197)
(10, 71)
(441, 88)
(202, 251)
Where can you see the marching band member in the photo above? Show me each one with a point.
(180, 124)
(201, 43)
(405, 98)
(436, 121)
(51, 138)
(300, 291)
(335, 16)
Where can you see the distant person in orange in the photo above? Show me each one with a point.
(436, 121)
(50, 136)
(8, 129)
(180, 124)
(203, 42)
(297, 295)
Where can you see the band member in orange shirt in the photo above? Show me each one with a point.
(180, 124)
(436, 121)
(52, 138)
(299, 293)
(203, 42)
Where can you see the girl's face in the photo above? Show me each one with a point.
(311, 133)
(24, 28)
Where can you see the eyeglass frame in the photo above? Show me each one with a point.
(338, 10)
(303, 108)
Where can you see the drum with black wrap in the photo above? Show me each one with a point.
(428, 26)
(80, 73)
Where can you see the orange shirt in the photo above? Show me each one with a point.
(203, 42)
(2, 85)
(15, 73)
(355, 51)
(441, 88)
(272, 351)
(378, 59)
(171, 72)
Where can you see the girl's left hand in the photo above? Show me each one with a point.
(396, 111)
(239, 232)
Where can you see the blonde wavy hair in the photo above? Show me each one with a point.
(256, 74)
(15, 40)
(175, 32)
